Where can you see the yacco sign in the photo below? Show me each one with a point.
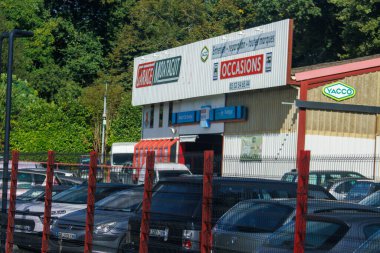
(338, 91)
(159, 72)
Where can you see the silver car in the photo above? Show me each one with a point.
(245, 226)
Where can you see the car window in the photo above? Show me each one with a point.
(176, 199)
(172, 173)
(24, 178)
(315, 194)
(78, 195)
(253, 218)
(371, 229)
(360, 189)
(371, 200)
(320, 235)
(372, 245)
(39, 179)
(31, 194)
(289, 177)
(355, 175)
(345, 187)
(313, 179)
(122, 201)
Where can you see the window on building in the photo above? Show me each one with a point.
(160, 122)
(151, 116)
(170, 113)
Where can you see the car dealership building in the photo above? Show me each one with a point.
(238, 95)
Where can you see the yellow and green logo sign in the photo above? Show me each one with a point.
(339, 91)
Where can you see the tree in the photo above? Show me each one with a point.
(360, 33)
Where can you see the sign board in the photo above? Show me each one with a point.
(251, 148)
(255, 58)
(338, 91)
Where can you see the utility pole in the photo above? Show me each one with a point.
(102, 160)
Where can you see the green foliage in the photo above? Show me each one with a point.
(127, 124)
(361, 26)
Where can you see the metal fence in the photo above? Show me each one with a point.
(71, 203)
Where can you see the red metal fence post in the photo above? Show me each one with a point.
(12, 203)
(48, 195)
(301, 210)
(147, 200)
(206, 237)
(90, 202)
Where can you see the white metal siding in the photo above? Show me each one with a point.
(196, 77)
(278, 152)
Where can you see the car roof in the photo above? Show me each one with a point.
(109, 185)
(198, 179)
(326, 205)
(345, 217)
(55, 187)
(326, 171)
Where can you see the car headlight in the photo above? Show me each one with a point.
(104, 228)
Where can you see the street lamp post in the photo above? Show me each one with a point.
(15, 33)
(104, 123)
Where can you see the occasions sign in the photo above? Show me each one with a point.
(242, 67)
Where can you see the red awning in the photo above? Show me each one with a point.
(161, 147)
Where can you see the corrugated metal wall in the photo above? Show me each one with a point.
(342, 123)
(269, 118)
(266, 113)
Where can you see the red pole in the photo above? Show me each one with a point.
(12, 203)
(147, 200)
(90, 202)
(301, 210)
(206, 237)
(48, 195)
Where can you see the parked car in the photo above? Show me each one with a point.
(175, 217)
(371, 200)
(164, 170)
(332, 232)
(110, 224)
(29, 216)
(27, 179)
(245, 226)
(362, 189)
(340, 187)
(322, 177)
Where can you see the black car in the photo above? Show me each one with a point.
(322, 177)
(110, 224)
(176, 208)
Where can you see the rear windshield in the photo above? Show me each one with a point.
(253, 218)
(121, 159)
(360, 189)
(125, 201)
(176, 199)
(172, 173)
(320, 235)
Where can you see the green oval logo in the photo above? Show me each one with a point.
(339, 91)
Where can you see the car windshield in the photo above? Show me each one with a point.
(372, 200)
(31, 194)
(78, 194)
(121, 159)
(372, 245)
(360, 189)
(253, 217)
(320, 235)
(172, 173)
(122, 201)
(176, 199)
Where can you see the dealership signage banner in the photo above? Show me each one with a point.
(339, 91)
(255, 58)
(251, 148)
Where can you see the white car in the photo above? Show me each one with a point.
(164, 170)
(29, 216)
